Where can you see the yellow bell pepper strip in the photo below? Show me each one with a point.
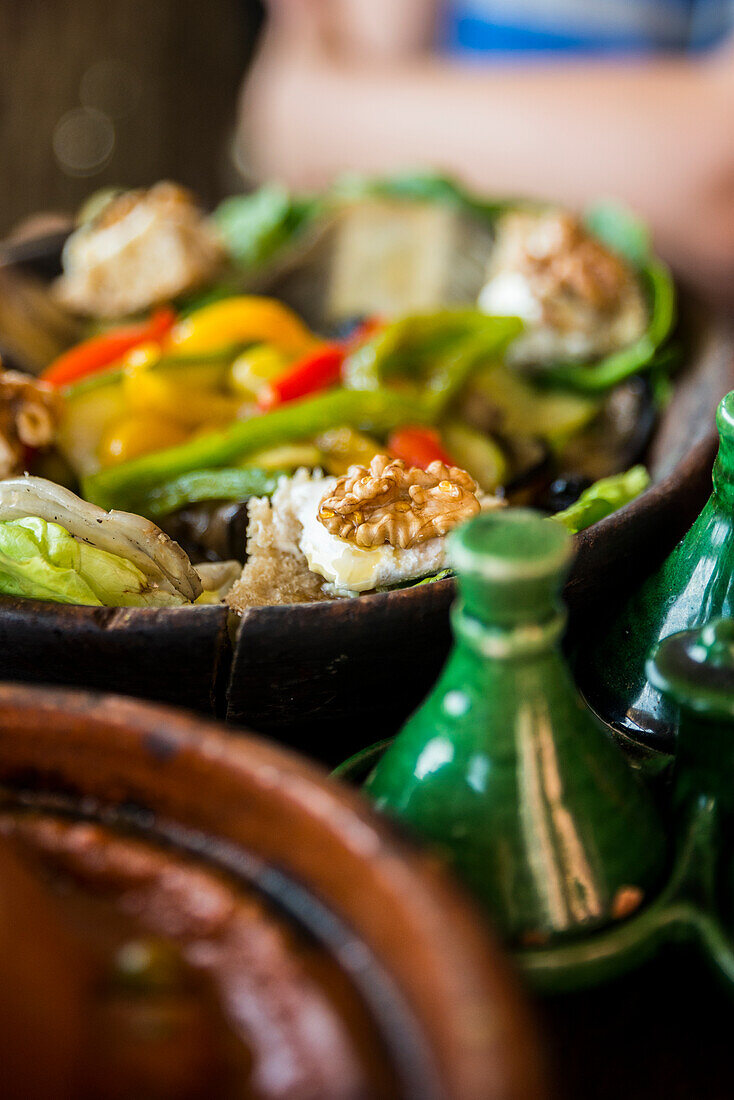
(229, 483)
(102, 351)
(257, 365)
(246, 319)
(156, 393)
(288, 456)
(374, 410)
(343, 447)
(137, 435)
(122, 367)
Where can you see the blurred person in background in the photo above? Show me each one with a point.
(567, 99)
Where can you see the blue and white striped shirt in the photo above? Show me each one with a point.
(596, 27)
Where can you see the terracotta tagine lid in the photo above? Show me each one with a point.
(222, 919)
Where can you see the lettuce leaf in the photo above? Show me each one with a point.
(621, 230)
(41, 560)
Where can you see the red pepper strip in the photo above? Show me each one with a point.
(364, 330)
(418, 447)
(316, 371)
(101, 351)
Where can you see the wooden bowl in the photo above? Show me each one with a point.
(334, 676)
(440, 1009)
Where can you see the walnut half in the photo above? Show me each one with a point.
(563, 258)
(29, 413)
(388, 502)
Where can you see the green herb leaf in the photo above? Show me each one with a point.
(619, 228)
(256, 225)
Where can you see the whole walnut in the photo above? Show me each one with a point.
(388, 502)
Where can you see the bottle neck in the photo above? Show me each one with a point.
(489, 641)
(723, 474)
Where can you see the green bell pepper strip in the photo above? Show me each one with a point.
(228, 483)
(602, 498)
(379, 411)
(438, 349)
(639, 355)
(453, 369)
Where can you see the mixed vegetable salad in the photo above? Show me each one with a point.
(327, 456)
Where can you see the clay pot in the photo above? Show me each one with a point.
(98, 782)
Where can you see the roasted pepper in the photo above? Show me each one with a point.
(343, 447)
(241, 320)
(102, 351)
(136, 435)
(255, 367)
(376, 410)
(316, 371)
(162, 393)
(642, 355)
(418, 446)
(229, 483)
(289, 456)
(602, 498)
(436, 352)
(477, 453)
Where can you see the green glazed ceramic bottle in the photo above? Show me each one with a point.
(504, 768)
(694, 585)
(695, 671)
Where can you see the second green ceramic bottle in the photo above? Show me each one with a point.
(694, 585)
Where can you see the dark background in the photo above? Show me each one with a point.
(96, 93)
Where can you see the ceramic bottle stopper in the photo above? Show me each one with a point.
(693, 585)
(504, 768)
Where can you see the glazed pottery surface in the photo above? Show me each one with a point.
(694, 904)
(504, 768)
(695, 670)
(694, 585)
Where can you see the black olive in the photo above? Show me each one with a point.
(563, 492)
